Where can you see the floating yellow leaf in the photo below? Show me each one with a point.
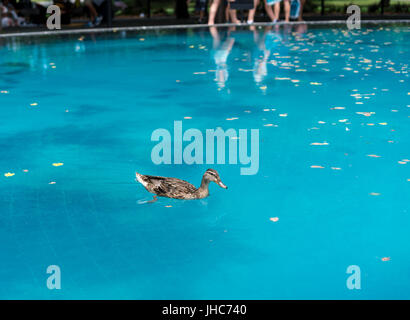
(59, 164)
(9, 174)
(274, 219)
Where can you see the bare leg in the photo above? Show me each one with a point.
(234, 18)
(93, 12)
(227, 17)
(286, 5)
(212, 11)
(251, 15)
(269, 11)
(302, 3)
(276, 11)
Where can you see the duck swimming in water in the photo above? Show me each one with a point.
(177, 188)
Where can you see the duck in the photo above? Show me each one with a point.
(177, 188)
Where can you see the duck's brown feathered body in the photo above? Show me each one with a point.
(177, 188)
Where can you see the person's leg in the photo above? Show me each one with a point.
(276, 12)
(93, 12)
(269, 11)
(212, 11)
(234, 18)
(286, 7)
(302, 3)
(227, 14)
(251, 14)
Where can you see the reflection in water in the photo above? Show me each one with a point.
(221, 51)
(253, 45)
(265, 41)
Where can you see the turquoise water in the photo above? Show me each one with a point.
(332, 190)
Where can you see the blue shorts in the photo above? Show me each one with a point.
(272, 2)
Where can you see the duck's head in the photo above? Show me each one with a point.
(213, 175)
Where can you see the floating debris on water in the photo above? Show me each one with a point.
(58, 164)
(319, 143)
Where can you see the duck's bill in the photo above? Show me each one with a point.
(222, 185)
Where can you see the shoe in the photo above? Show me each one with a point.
(97, 21)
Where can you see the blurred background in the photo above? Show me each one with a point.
(76, 13)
